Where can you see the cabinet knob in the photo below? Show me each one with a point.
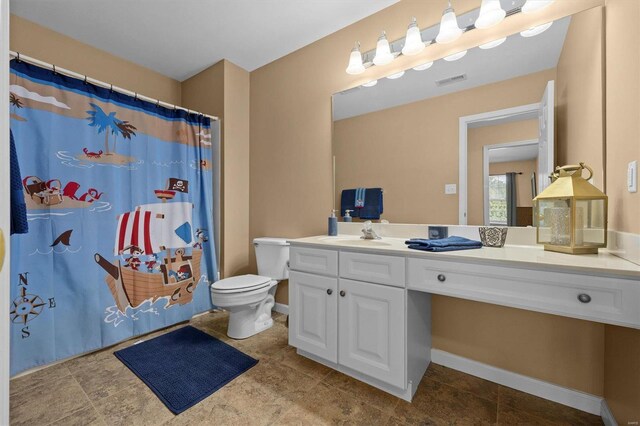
(329, 291)
(342, 293)
(442, 278)
(584, 298)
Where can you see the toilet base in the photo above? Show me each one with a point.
(247, 321)
(243, 324)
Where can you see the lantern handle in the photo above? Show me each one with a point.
(574, 168)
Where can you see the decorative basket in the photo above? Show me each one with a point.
(493, 236)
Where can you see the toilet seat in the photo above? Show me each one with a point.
(241, 284)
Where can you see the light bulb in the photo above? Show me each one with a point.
(423, 67)
(370, 83)
(491, 13)
(532, 32)
(413, 43)
(383, 51)
(492, 44)
(455, 56)
(535, 5)
(396, 75)
(449, 30)
(355, 61)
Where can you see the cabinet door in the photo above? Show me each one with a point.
(371, 330)
(313, 314)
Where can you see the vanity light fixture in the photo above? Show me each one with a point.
(535, 5)
(370, 83)
(355, 61)
(383, 51)
(449, 29)
(396, 75)
(492, 44)
(413, 43)
(532, 32)
(424, 66)
(455, 56)
(491, 13)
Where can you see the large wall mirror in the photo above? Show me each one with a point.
(494, 123)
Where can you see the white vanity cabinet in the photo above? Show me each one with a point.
(355, 317)
(371, 330)
(313, 314)
(364, 307)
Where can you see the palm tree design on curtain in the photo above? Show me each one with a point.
(126, 129)
(103, 122)
(15, 101)
(16, 104)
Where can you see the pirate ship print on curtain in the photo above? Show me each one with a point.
(153, 230)
(119, 196)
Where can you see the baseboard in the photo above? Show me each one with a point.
(572, 398)
(281, 308)
(607, 415)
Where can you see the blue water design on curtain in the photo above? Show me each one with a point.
(119, 196)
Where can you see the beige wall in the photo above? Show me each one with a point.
(622, 373)
(46, 45)
(622, 345)
(477, 138)
(237, 244)
(559, 350)
(623, 111)
(223, 90)
(412, 150)
(291, 170)
(579, 95)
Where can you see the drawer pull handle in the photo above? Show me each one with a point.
(442, 278)
(584, 298)
(329, 291)
(342, 293)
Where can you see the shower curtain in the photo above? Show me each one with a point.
(119, 196)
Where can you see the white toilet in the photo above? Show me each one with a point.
(250, 298)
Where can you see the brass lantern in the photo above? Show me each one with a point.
(571, 214)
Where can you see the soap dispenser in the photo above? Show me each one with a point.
(347, 216)
(332, 230)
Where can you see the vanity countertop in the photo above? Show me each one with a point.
(603, 263)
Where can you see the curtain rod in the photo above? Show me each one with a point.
(100, 83)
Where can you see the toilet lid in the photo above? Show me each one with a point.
(241, 283)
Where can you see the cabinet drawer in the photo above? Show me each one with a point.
(317, 261)
(608, 300)
(373, 268)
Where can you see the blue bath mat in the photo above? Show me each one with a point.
(185, 366)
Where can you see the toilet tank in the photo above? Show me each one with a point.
(272, 255)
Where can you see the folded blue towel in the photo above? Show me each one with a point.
(445, 244)
(19, 224)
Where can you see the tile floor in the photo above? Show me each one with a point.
(284, 388)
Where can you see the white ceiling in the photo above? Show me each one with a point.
(513, 153)
(179, 38)
(517, 56)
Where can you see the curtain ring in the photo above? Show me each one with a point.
(157, 103)
(18, 56)
(54, 70)
(135, 96)
(111, 88)
(85, 79)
